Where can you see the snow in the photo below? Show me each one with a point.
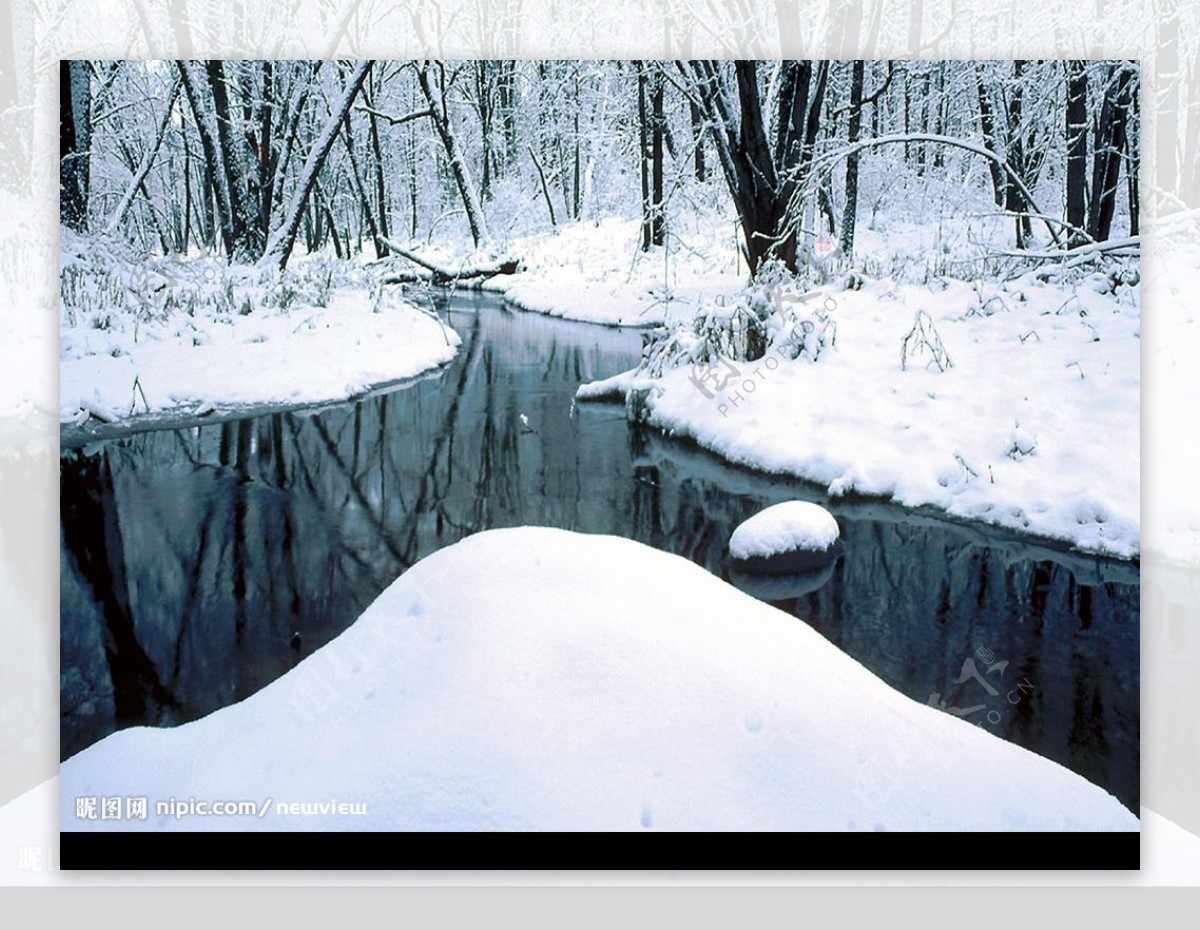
(198, 335)
(785, 527)
(1034, 427)
(480, 691)
(595, 272)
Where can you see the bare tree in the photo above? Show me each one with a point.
(1108, 148)
(279, 246)
(764, 180)
(1077, 144)
(139, 176)
(431, 77)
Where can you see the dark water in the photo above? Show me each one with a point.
(191, 556)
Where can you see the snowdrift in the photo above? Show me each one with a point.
(536, 679)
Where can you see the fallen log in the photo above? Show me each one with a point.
(435, 274)
(1130, 245)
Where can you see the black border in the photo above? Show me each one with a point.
(814, 851)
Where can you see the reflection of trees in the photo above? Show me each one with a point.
(92, 535)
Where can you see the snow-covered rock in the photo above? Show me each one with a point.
(533, 678)
(792, 526)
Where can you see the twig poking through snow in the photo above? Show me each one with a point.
(970, 472)
(137, 389)
(924, 335)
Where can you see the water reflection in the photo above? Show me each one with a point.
(190, 557)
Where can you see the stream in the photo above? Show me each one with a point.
(192, 556)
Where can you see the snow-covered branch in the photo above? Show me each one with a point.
(982, 151)
(442, 275)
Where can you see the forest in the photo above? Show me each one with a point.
(246, 159)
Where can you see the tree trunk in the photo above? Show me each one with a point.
(187, 194)
(147, 160)
(506, 91)
(699, 169)
(850, 211)
(484, 102)
(987, 124)
(1107, 151)
(381, 203)
(1077, 126)
(765, 182)
(289, 136)
(247, 246)
(577, 200)
(75, 142)
(643, 153)
(537, 163)
(657, 207)
(411, 157)
(1014, 198)
(266, 158)
(1132, 174)
(213, 168)
(366, 214)
(279, 248)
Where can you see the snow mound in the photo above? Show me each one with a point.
(788, 527)
(481, 691)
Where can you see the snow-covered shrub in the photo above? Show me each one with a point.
(773, 313)
(277, 289)
(309, 282)
(989, 298)
(721, 329)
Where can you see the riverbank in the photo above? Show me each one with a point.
(1028, 418)
(672, 702)
(597, 273)
(162, 338)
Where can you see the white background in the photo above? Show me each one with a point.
(1165, 35)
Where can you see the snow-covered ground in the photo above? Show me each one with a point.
(596, 272)
(1033, 426)
(480, 691)
(193, 335)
